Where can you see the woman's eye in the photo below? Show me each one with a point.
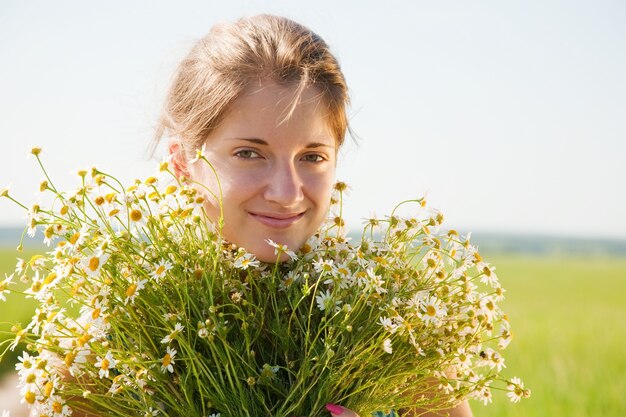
(247, 154)
(313, 157)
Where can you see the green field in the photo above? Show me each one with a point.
(569, 321)
(568, 316)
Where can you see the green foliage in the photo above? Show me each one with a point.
(567, 316)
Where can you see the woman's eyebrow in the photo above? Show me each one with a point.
(259, 141)
(253, 140)
(319, 145)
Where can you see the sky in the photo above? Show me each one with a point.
(509, 116)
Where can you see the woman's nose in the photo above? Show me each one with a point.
(284, 186)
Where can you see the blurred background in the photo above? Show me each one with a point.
(507, 116)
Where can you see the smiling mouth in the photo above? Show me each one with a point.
(277, 221)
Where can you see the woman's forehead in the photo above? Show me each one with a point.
(272, 109)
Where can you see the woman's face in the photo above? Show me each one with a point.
(276, 173)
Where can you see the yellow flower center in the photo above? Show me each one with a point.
(167, 359)
(84, 339)
(36, 286)
(69, 359)
(131, 290)
(74, 238)
(41, 363)
(105, 364)
(160, 270)
(135, 215)
(94, 263)
(48, 389)
(51, 277)
(57, 407)
(431, 311)
(29, 397)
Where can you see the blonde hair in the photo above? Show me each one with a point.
(233, 56)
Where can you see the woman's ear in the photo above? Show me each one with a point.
(179, 160)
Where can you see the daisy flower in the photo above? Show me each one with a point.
(94, 263)
(20, 266)
(18, 338)
(78, 238)
(138, 218)
(58, 407)
(4, 284)
(278, 249)
(505, 337)
(245, 261)
(173, 334)
(28, 397)
(463, 358)
(151, 412)
(49, 235)
(489, 308)
(496, 361)
(105, 364)
(516, 390)
(31, 379)
(26, 362)
(76, 360)
(387, 346)
(167, 362)
(133, 290)
(484, 395)
(160, 269)
(488, 275)
(373, 281)
(325, 301)
(33, 221)
(498, 294)
(388, 324)
(289, 279)
(431, 310)
(199, 154)
(323, 265)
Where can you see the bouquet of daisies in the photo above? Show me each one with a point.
(144, 309)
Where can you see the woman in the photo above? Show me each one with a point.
(264, 101)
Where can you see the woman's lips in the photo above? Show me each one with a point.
(277, 220)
